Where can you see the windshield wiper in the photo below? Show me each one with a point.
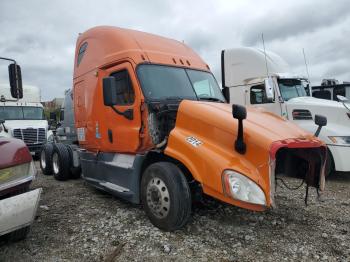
(211, 99)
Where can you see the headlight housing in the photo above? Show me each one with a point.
(341, 140)
(242, 188)
(15, 175)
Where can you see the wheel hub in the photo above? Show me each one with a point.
(158, 199)
(43, 159)
(55, 163)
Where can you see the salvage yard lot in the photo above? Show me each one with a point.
(76, 222)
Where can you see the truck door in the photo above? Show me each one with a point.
(257, 97)
(118, 133)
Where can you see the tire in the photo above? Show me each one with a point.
(75, 172)
(165, 181)
(61, 162)
(19, 234)
(46, 159)
(330, 167)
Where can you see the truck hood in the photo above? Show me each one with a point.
(13, 124)
(335, 111)
(214, 122)
(204, 136)
(259, 123)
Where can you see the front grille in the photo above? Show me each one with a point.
(30, 136)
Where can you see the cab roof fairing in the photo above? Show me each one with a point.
(107, 45)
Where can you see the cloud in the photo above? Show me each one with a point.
(41, 35)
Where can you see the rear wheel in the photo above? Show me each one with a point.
(75, 172)
(46, 159)
(166, 196)
(61, 162)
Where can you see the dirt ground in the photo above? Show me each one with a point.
(76, 222)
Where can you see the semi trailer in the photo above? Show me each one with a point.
(153, 127)
(18, 204)
(252, 77)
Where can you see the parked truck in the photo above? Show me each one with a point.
(153, 127)
(252, 77)
(331, 89)
(18, 204)
(24, 117)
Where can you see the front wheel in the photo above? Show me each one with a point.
(166, 196)
(330, 166)
(46, 159)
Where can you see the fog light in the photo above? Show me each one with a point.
(242, 188)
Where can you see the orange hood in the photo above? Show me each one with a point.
(204, 136)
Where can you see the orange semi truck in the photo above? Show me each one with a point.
(153, 127)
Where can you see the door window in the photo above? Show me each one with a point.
(258, 95)
(125, 90)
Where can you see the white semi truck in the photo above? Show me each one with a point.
(252, 77)
(24, 118)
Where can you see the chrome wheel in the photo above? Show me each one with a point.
(55, 163)
(158, 198)
(43, 159)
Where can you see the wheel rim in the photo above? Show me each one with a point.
(43, 159)
(55, 163)
(158, 199)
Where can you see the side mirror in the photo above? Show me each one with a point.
(240, 113)
(2, 121)
(15, 77)
(53, 116)
(110, 94)
(270, 93)
(342, 99)
(320, 121)
(109, 91)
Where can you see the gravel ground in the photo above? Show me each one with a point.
(76, 222)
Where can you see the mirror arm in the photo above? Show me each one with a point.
(128, 114)
(318, 131)
(5, 129)
(240, 146)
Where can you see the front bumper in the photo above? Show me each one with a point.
(18, 211)
(341, 157)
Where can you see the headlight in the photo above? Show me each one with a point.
(242, 188)
(342, 140)
(14, 173)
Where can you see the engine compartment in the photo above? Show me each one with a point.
(161, 119)
(302, 163)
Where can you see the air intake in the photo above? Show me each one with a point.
(301, 114)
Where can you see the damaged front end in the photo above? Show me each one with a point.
(299, 158)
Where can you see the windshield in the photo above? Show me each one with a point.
(166, 82)
(291, 88)
(21, 113)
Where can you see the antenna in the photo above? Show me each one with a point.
(307, 70)
(267, 69)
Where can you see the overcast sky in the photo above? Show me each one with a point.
(41, 35)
